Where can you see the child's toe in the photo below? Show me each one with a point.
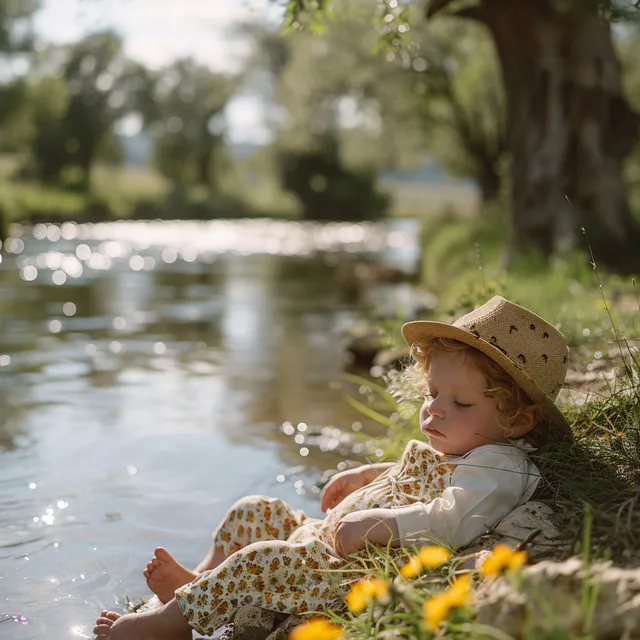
(102, 626)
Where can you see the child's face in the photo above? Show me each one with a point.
(456, 415)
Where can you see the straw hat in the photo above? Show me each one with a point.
(532, 351)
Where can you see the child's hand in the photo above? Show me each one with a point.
(340, 486)
(346, 482)
(376, 525)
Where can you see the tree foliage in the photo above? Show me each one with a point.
(389, 98)
(569, 125)
(187, 122)
(16, 34)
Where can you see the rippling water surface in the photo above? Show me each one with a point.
(152, 373)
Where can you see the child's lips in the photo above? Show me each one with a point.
(430, 431)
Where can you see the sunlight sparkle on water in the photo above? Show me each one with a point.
(160, 348)
(78, 631)
(69, 230)
(59, 277)
(288, 429)
(115, 346)
(29, 273)
(83, 252)
(69, 309)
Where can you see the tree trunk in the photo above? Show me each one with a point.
(489, 180)
(569, 129)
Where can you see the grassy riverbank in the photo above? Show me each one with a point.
(592, 484)
(132, 191)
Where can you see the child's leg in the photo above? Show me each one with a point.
(276, 575)
(166, 623)
(249, 520)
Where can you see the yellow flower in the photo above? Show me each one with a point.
(316, 629)
(427, 558)
(364, 591)
(502, 557)
(438, 608)
(433, 556)
(412, 568)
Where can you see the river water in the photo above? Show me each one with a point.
(152, 373)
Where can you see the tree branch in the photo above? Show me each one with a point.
(437, 6)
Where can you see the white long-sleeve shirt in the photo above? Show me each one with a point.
(485, 486)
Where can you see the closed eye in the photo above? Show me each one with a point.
(462, 405)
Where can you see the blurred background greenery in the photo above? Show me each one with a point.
(514, 126)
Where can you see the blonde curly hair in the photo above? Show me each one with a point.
(511, 400)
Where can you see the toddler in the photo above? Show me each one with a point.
(489, 380)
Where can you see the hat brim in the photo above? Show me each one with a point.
(423, 331)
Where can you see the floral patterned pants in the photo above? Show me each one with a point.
(276, 559)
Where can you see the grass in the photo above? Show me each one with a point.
(120, 189)
(593, 483)
(594, 486)
(116, 189)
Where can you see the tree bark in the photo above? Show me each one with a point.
(569, 129)
(489, 179)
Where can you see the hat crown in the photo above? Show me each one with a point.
(532, 344)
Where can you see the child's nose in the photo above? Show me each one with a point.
(435, 409)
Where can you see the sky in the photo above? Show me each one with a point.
(157, 31)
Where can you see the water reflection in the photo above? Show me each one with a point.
(149, 375)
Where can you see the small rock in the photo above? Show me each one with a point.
(278, 634)
(361, 350)
(549, 598)
(253, 623)
(516, 528)
(290, 622)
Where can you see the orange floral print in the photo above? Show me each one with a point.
(264, 568)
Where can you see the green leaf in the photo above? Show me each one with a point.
(377, 388)
(369, 412)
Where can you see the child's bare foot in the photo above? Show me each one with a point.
(164, 574)
(166, 623)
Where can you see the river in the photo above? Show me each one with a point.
(152, 373)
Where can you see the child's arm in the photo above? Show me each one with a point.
(486, 485)
(378, 526)
(346, 482)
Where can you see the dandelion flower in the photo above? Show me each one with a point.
(364, 591)
(433, 556)
(437, 608)
(428, 557)
(316, 629)
(412, 568)
(502, 557)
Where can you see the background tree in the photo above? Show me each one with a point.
(103, 86)
(458, 98)
(628, 47)
(16, 33)
(569, 124)
(391, 107)
(16, 39)
(74, 96)
(186, 120)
